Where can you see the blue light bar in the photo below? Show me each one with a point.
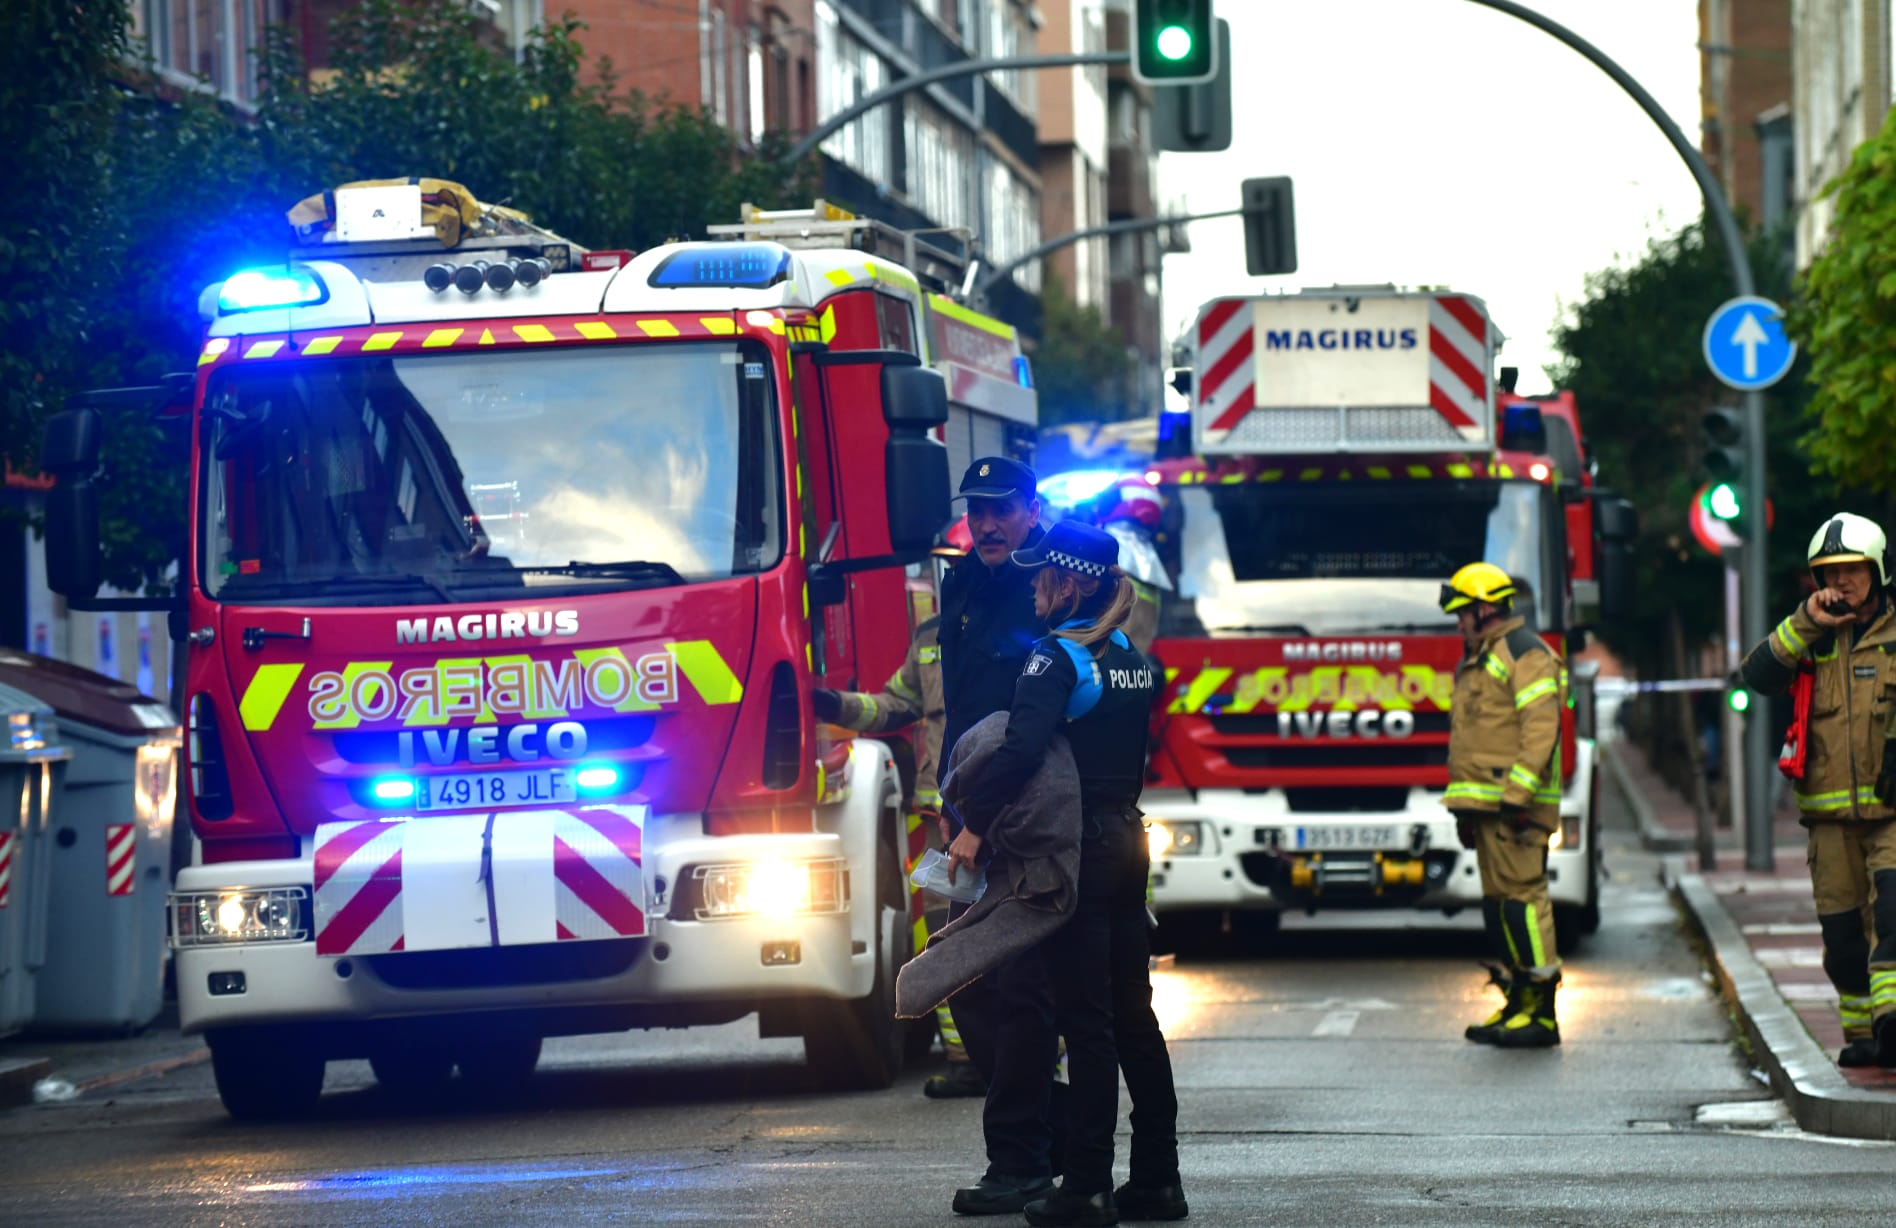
(1023, 373)
(735, 266)
(597, 778)
(393, 789)
(1076, 487)
(261, 289)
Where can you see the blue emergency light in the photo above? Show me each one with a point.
(1523, 429)
(733, 266)
(1076, 486)
(262, 289)
(596, 778)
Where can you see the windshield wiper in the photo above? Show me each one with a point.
(1265, 629)
(629, 569)
(233, 587)
(1428, 628)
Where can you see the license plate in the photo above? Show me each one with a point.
(475, 790)
(1346, 837)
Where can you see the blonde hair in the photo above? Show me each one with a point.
(1084, 588)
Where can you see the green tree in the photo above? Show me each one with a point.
(1081, 369)
(124, 201)
(1846, 322)
(1632, 357)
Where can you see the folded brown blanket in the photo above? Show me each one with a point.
(1031, 882)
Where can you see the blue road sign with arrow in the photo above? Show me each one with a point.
(1745, 345)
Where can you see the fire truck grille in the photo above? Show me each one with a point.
(538, 964)
(1354, 800)
(1325, 430)
(1340, 756)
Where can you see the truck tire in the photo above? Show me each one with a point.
(501, 1064)
(413, 1070)
(260, 1078)
(860, 1045)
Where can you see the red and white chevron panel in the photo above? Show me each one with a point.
(460, 881)
(7, 844)
(358, 882)
(1459, 360)
(121, 858)
(598, 879)
(1227, 385)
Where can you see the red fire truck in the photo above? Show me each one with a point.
(1351, 451)
(511, 569)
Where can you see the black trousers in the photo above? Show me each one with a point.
(1099, 963)
(1006, 1023)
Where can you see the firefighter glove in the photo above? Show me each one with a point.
(828, 705)
(1465, 830)
(1515, 817)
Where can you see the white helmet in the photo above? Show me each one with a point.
(1846, 538)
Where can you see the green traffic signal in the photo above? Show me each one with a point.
(1174, 43)
(1723, 502)
(1739, 700)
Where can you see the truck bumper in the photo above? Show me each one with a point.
(1253, 852)
(680, 972)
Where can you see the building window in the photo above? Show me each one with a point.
(848, 71)
(940, 158)
(1013, 222)
(754, 84)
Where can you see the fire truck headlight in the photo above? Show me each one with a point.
(1175, 838)
(210, 918)
(773, 889)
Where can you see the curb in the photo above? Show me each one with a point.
(1655, 837)
(1819, 1098)
(17, 1077)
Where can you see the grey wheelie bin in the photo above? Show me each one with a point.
(32, 768)
(109, 849)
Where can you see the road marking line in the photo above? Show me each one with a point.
(1337, 1023)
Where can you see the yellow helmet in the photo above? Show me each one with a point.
(1477, 582)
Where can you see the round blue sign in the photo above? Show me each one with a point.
(1745, 345)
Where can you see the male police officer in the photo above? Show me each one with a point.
(988, 628)
(1845, 635)
(1504, 789)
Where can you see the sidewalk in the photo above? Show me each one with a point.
(95, 1064)
(1764, 943)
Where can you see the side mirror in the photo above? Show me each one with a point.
(69, 450)
(913, 398)
(914, 402)
(1619, 526)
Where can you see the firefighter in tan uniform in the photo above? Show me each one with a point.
(1845, 636)
(1504, 789)
(913, 693)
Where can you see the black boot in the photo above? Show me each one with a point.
(1151, 1202)
(1885, 1029)
(959, 1081)
(994, 1195)
(1483, 1032)
(1859, 1052)
(1062, 1209)
(1533, 1024)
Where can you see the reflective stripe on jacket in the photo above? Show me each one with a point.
(1504, 726)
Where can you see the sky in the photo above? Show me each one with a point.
(1440, 143)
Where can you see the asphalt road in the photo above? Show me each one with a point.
(1323, 1081)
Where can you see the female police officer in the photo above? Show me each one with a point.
(1085, 680)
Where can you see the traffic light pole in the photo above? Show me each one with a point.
(947, 72)
(1759, 854)
(1129, 225)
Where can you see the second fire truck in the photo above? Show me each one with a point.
(1352, 450)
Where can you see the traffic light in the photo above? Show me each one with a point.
(1738, 699)
(1270, 227)
(1176, 42)
(1196, 118)
(1725, 464)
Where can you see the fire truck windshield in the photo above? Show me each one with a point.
(1347, 558)
(424, 478)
